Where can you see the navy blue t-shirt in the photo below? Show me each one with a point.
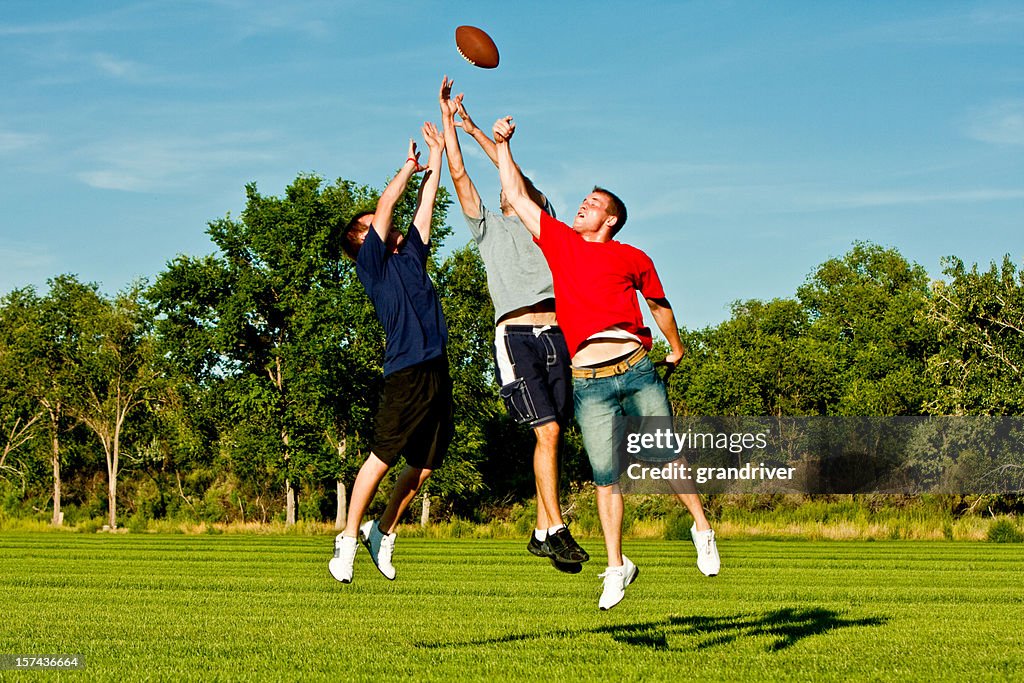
(404, 299)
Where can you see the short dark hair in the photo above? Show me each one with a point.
(617, 208)
(347, 244)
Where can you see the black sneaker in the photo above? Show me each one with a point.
(535, 547)
(540, 549)
(567, 567)
(564, 548)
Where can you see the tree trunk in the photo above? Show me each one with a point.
(289, 503)
(342, 514)
(112, 484)
(112, 503)
(58, 516)
(115, 447)
(425, 514)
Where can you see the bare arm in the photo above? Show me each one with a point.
(428, 188)
(661, 309)
(465, 190)
(512, 182)
(383, 215)
(467, 125)
(490, 148)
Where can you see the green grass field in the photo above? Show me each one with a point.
(264, 608)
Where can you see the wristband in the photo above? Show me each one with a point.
(413, 160)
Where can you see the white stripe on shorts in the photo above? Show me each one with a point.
(506, 371)
(506, 368)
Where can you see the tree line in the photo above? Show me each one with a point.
(240, 386)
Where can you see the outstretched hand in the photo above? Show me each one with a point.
(465, 123)
(503, 129)
(414, 157)
(448, 106)
(433, 137)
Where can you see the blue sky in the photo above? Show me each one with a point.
(750, 141)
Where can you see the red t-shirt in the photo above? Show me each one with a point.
(596, 283)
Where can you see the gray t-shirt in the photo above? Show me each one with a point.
(517, 273)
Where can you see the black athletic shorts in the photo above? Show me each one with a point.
(535, 373)
(416, 415)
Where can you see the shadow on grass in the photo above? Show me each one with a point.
(784, 626)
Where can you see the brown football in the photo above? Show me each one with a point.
(476, 46)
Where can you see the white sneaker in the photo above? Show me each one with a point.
(615, 581)
(381, 547)
(345, 548)
(708, 561)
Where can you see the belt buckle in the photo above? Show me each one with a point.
(628, 364)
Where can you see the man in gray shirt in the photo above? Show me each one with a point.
(533, 365)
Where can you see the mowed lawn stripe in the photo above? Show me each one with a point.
(265, 608)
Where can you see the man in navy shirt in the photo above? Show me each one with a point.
(415, 417)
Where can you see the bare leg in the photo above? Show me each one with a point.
(687, 494)
(696, 509)
(609, 509)
(545, 472)
(409, 482)
(363, 491)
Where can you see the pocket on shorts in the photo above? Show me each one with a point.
(518, 401)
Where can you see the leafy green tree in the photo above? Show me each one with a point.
(117, 373)
(277, 321)
(462, 286)
(868, 309)
(48, 340)
(762, 361)
(979, 364)
(20, 414)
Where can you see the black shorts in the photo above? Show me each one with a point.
(534, 371)
(416, 415)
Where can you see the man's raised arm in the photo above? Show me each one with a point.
(428, 188)
(512, 182)
(489, 147)
(383, 214)
(465, 190)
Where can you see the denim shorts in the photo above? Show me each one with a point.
(533, 368)
(637, 392)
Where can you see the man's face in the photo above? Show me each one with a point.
(357, 237)
(592, 214)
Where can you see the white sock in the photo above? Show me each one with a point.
(555, 529)
(540, 534)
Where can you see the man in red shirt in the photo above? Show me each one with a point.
(595, 280)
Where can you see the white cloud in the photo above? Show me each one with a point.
(1000, 124)
(954, 28)
(169, 163)
(11, 141)
(25, 257)
(901, 197)
(758, 199)
(117, 68)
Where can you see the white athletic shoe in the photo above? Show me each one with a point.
(344, 557)
(381, 547)
(615, 581)
(708, 561)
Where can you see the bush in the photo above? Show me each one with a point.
(677, 526)
(1004, 531)
(90, 526)
(138, 523)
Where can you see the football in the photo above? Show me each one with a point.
(476, 47)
